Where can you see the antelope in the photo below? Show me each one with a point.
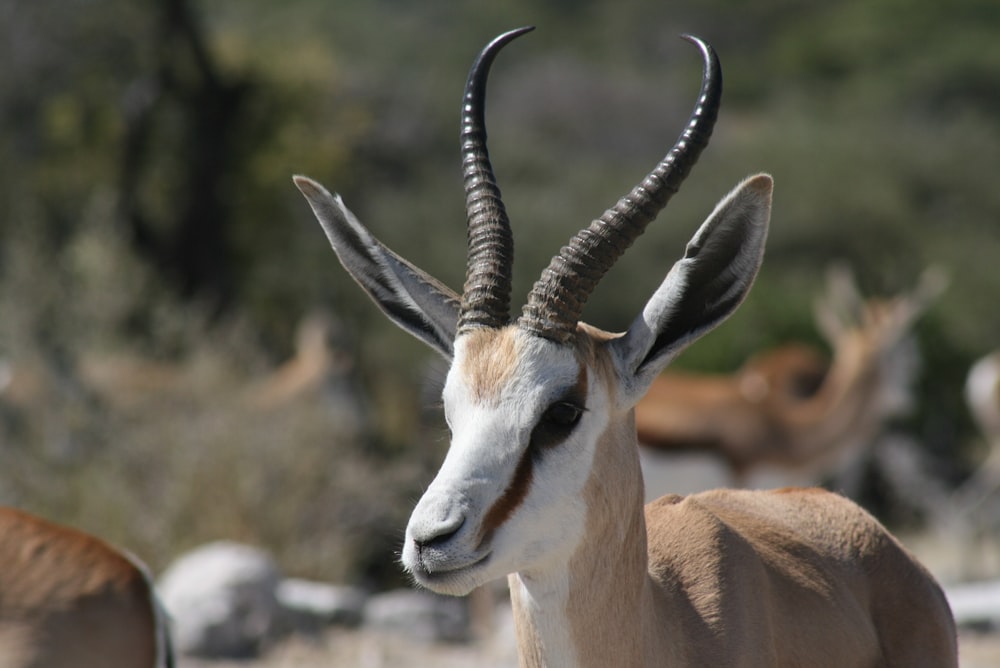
(542, 483)
(788, 407)
(68, 600)
(320, 363)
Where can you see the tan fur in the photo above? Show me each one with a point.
(491, 359)
(793, 577)
(613, 493)
(69, 600)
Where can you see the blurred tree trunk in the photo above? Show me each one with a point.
(193, 108)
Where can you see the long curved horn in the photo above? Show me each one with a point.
(557, 298)
(486, 296)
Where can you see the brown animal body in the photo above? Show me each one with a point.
(68, 600)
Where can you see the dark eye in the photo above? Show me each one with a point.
(556, 423)
(563, 414)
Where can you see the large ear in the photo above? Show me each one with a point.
(702, 289)
(412, 299)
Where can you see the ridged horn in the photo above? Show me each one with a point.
(486, 295)
(556, 301)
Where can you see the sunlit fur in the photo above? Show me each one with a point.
(68, 600)
(786, 578)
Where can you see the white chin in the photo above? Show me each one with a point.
(457, 582)
(450, 572)
(453, 583)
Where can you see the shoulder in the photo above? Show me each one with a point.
(824, 520)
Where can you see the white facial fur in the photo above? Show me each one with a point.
(499, 385)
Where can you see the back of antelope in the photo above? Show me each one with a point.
(542, 479)
(69, 600)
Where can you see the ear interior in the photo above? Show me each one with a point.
(703, 288)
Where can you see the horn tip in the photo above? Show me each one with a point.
(694, 39)
(504, 38)
(707, 50)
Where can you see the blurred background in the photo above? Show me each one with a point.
(181, 357)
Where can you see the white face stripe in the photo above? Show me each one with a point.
(489, 512)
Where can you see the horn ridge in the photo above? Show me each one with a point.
(489, 268)
(556, 301)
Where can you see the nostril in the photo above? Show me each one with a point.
(438, 534)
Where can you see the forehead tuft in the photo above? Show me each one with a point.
(492, 363)
(488, 361)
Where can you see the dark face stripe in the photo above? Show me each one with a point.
(512, 497)
(520, 483)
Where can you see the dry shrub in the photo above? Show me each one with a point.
(124, 412)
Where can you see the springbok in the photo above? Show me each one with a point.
(790, 409)
(320, 364)
(542, 479)
(68, 600)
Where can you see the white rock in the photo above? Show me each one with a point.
(222, 601)
(419, 614)
(311, 605)
(975, 604)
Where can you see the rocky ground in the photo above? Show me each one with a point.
(368, 649)
(371, 649)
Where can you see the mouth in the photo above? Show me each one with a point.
(449, 578)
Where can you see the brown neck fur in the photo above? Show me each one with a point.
(608, 571)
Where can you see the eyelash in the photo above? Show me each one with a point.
(569, 419)
(555, 426)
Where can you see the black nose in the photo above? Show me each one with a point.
(438, 534)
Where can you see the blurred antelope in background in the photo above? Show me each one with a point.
(320, 366)
(68, 600)
(542, 478)
(790, 408)
(317, 357)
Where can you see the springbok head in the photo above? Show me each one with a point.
(540, 407)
